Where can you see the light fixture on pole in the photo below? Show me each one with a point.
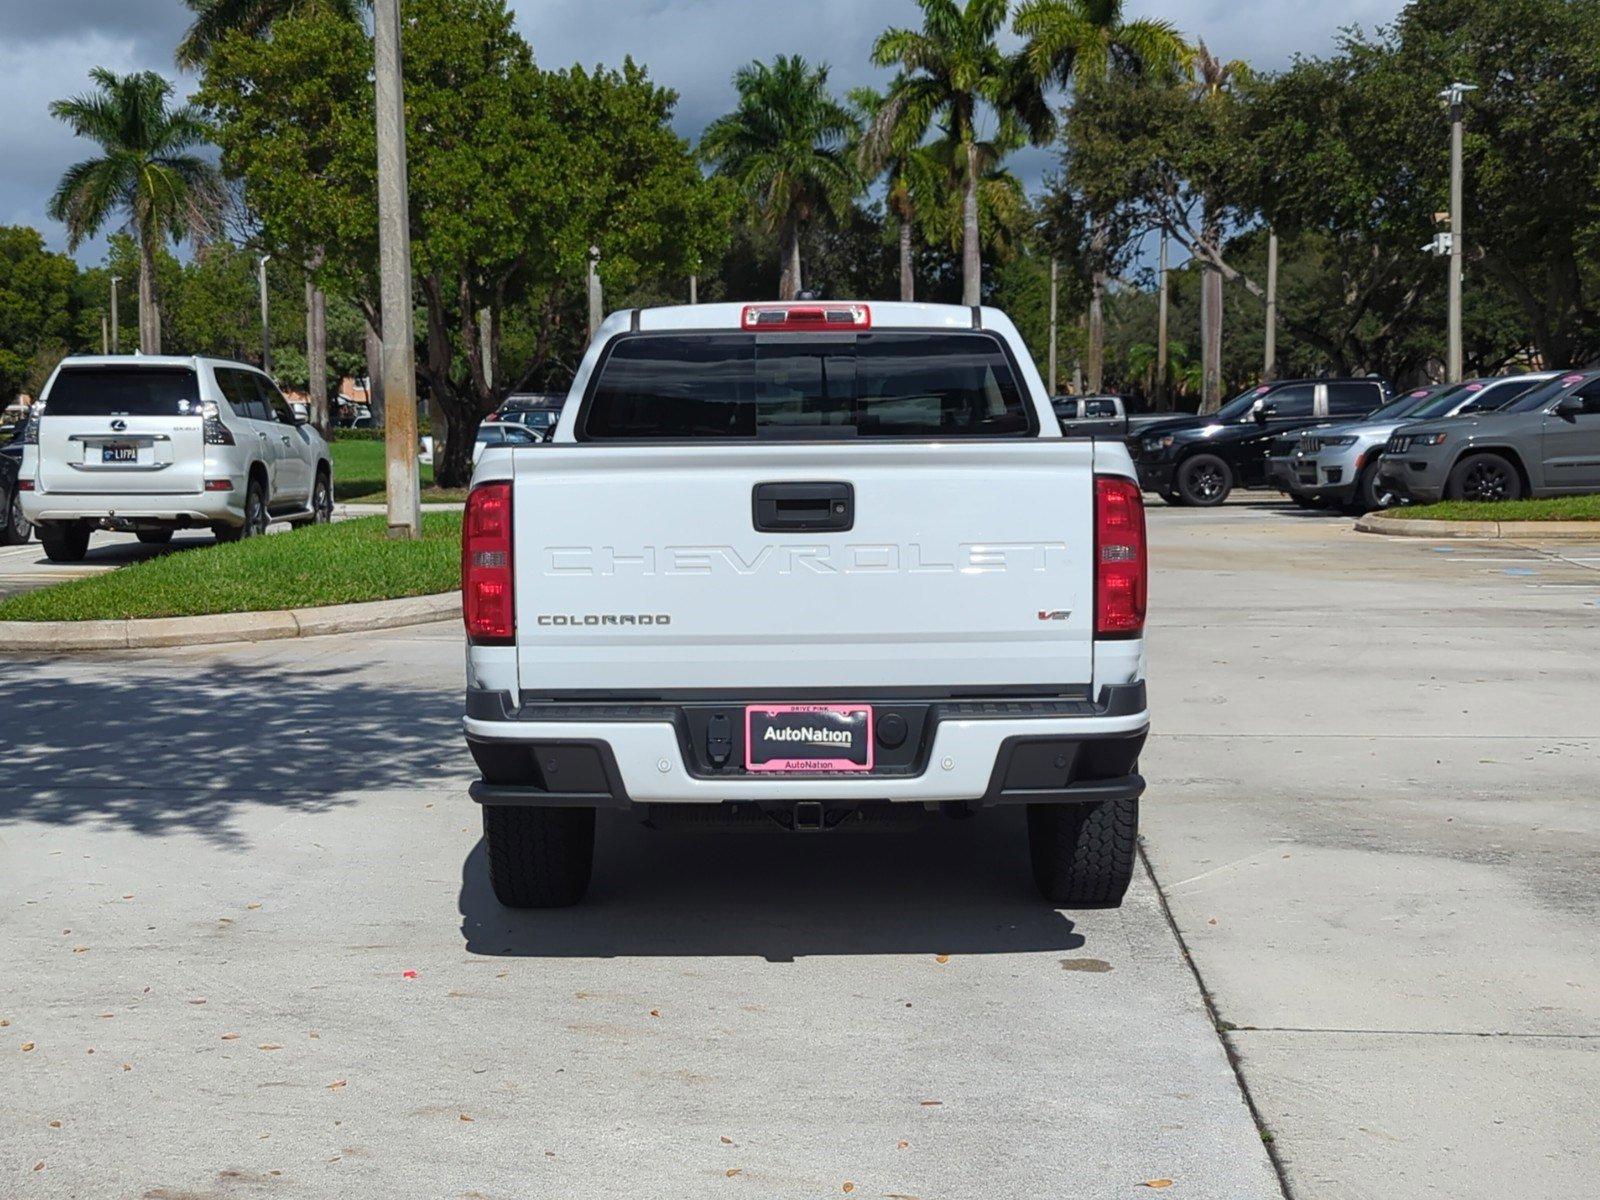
(266, 328)
(1454, 97)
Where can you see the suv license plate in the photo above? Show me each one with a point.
(803, 738)
(119, 452)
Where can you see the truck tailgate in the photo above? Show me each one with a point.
(969, 566)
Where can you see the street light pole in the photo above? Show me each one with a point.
(596, 303)
(1055, 285)
(1161, 329)
(116, 340)
(266, 327)
(394, 255)
(1269, 365)
(1454, 96)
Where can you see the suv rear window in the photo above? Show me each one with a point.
(742, 385)
(124, 392)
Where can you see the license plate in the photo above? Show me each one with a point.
(801, 738)
(119, 452)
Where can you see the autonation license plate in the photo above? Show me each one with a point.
(119, 452)
(799, 738)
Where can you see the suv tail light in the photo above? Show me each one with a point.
(1122, 569)
(488, 597)
(216, 433)
(30, 427)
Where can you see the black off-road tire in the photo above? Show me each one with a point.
(1204, 480)
(1485, 477)
(1083, 853)
(154, 537)
(65, 541)
(539, 857)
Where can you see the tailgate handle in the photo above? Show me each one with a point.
(803, 507)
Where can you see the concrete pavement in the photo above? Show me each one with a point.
(1375, 816)
(218, 867)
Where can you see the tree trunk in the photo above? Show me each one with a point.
(317, 355)
(452, 453)
(789, 284)
(971, 252)
(1097, 317)
(908, 281)
(1210, 321)
(149, 313)
(375, 375)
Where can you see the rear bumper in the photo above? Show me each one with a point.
(980, 753)
(198, 508)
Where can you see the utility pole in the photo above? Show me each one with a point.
(105, 334)
(485, 335)
(596, 304)
(1454, 96)
(1055, 283)
(394, 254)
(1161, 329)
(266, 328)
(1269, 366)
(694, 289)
(116, 340)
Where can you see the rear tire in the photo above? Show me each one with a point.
(1204, 480)
(18, 530)
(1083, 853)
(539, 857)
(322, 500)
(66, 541)
(255, 508)
(154, 537)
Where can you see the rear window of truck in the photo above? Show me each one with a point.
(124, 392)
(864, 385)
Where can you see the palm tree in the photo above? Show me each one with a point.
(146, 173)
(1003, 212)
(216, 19)
(952, 69)
(786, 147)
(912, 172)
(1084, 42)
(1211, 82)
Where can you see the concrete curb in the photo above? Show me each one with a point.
(1435, 530)
(49, 637)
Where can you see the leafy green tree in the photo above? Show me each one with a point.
(951, 71)
(37, 306)
(911, 172)
(786, 148)
(216, 20)
(147, 173)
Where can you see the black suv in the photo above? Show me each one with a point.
(1200, 460)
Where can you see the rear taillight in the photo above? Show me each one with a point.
(30, 427)
(487, 593)
(1122, 570)
(24, 485)
(217, 434)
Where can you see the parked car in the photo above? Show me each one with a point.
(1546, 442)
(1199, 461)
(503, 434)
(753, 515)
(15, 528)
(1337, 465)
(153, 445)
(1098, 416)
(538, 411)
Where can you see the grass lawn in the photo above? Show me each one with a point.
(301, 568)
(1556, 508)
(358, 475)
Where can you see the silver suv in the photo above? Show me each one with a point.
(1337, 465)
(1546, 442)
(153, 445)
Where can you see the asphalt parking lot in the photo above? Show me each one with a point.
(249, 940)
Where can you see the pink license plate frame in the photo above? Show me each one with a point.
(806, 765)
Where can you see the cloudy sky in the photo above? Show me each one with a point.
(48, 46)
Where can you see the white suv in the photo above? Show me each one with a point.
(152, 445)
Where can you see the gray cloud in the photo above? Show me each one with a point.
(693, 46)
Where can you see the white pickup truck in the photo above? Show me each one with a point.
(815, 565)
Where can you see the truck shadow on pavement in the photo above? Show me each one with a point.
(178, 747)
(946, 887)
